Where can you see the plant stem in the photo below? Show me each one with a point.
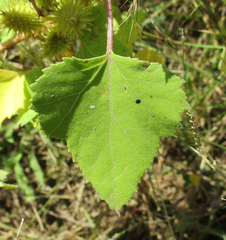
(40, 14)
(11, 42)
(109, 26)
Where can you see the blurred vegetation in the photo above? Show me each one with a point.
(180, 197)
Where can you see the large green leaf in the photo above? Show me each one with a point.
(112, 110)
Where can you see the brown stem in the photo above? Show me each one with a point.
(17, 39)
(11, 42)
(40, 14)
(109, 26)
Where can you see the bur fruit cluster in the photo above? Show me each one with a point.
(60, 25)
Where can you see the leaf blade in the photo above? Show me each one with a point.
(121, 108)
(12, 93)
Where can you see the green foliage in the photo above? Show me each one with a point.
(110, 108)
(189, 41)
(123, 113)
(5, 35)
(3, 175)
(149, 55)
(12, 93)
(129, 29)
(22, 179)
(16, 159)
(25, 115)
(16, 94)
(36, 168)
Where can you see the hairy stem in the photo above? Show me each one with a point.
(109, 26)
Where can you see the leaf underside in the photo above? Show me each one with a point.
(112, 110)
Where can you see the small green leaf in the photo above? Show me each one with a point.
(23, 182)
(129, 30)
(112, 110)
(8, 186)
(3, 174)
(36, 168)
(25, 115)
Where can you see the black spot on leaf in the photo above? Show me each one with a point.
(138, 101)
